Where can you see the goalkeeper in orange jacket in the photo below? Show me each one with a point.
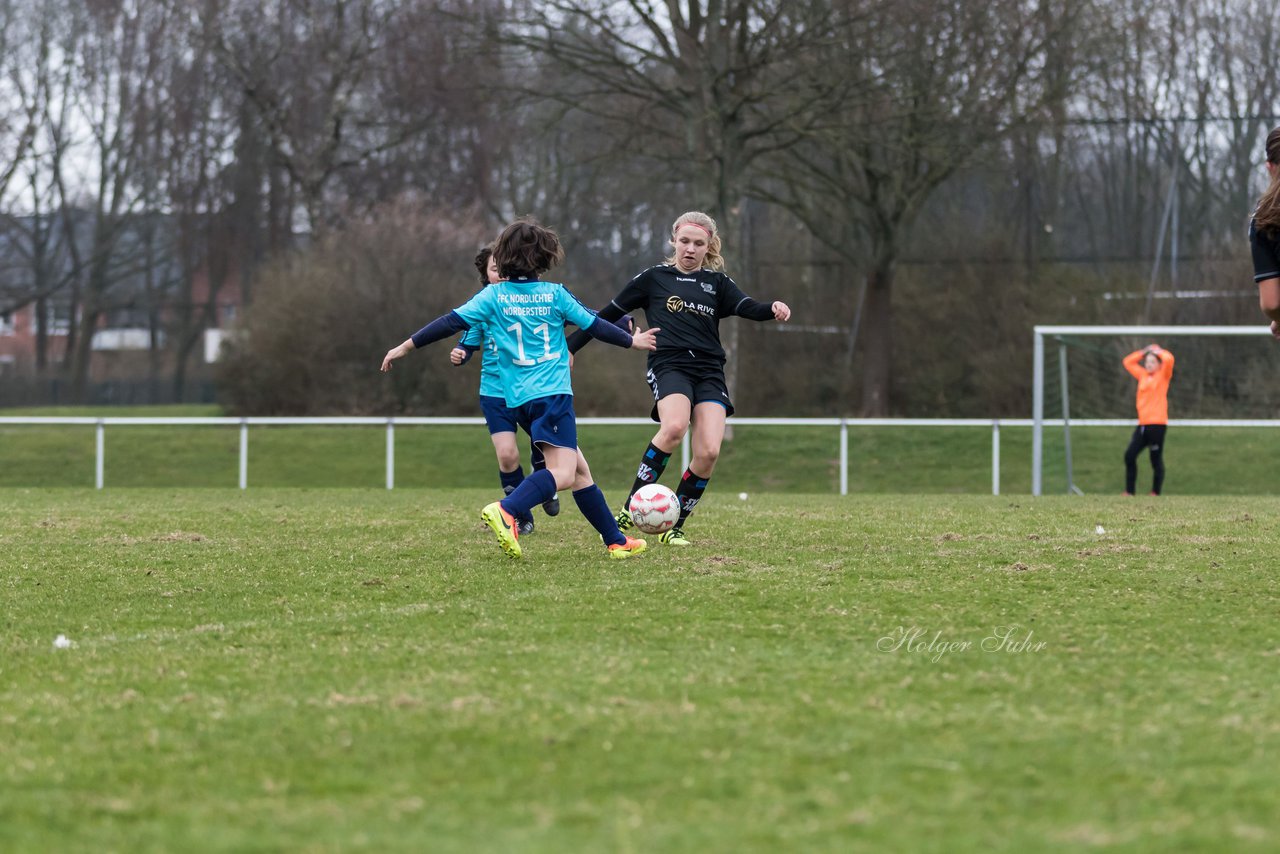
(1152, 367)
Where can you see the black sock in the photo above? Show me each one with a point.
(652, 465)
(689, 493)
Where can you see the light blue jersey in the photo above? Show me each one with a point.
(525, 322)
(490, 379)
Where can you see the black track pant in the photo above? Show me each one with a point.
(1146, 436)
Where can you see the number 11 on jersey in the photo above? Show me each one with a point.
(547, 355)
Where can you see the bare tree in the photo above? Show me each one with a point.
(700, 89)
(311, 69)
(29, 226)
(1164, 142)
(935, 82)
(193, 174)
(119, 49)
(20, 48)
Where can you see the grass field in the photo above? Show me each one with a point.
(324, 670)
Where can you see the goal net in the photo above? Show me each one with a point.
(1084, 399)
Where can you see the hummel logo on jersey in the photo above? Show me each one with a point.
(681, 279)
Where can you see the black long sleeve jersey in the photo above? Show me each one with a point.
(687, 307)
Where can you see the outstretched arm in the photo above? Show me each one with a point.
(397, 353)
(611, 312)
(612, 334)
(752, 309)
(438, 329)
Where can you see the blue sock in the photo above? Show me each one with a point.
(535, 489)
(591, 502)
(511, 480)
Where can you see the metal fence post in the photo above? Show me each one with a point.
(99, 452)
(995, 456)
(244, 453)
(844, 456)
(1037, 410)
(391, 453)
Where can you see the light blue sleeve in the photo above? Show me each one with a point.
(573, 311)
(478, 309)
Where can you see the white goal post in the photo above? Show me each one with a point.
(1061, 332)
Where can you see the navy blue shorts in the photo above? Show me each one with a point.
(550, 420)
(499, 417)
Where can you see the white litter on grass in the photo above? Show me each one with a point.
(742, 496)
(1099, 530)
(62, 642)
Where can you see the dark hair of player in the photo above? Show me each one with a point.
(1267, 216)
(482, 264)
(526, 249)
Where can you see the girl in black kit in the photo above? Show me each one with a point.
(686, 297)
(1264, 237)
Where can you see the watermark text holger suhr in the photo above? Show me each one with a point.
(1011, 640)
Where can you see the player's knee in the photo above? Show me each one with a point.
(508, 459)
(705, 460)
(672, 432)
(565, 476)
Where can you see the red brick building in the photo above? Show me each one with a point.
(123, 340)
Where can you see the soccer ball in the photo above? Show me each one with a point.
(654, 509)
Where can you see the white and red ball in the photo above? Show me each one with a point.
(654, 508)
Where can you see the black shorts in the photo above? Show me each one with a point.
(698, 383)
